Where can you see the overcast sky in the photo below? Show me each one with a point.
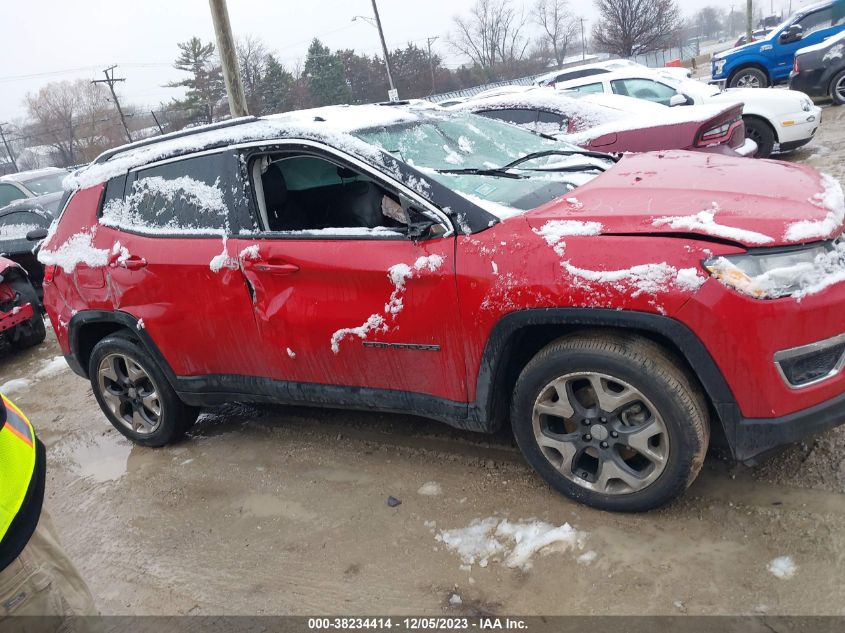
(53, 40)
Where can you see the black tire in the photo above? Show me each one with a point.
(837, 88)
(749, 77)
(761, 133)
(32, 332)
(649, 370)
(174, 417)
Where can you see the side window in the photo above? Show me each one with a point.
(578, 74)
(643, 89)
(552, 122)
(597, 87)
(191, 196)
(306, 194)
(9, 193)
(515, 116)
(817, 20)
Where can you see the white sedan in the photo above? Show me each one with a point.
(776, 120)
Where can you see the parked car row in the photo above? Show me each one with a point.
(406, 257)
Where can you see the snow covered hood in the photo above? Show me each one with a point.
(753, 203)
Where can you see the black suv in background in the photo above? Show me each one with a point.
(819, 70)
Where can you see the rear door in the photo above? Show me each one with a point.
(344, 305)
(167, 228)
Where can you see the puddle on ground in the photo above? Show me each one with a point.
(101, 459)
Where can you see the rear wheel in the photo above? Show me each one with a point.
(135, 395)
(760, 132)
(749, 78)
(611, 421)
(31, 332)
(837, 88)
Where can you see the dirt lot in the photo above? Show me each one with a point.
(283, 511)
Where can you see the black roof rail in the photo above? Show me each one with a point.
(109, 154)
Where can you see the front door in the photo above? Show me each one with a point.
(342, 295)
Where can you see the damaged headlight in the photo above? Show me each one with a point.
(768, 275)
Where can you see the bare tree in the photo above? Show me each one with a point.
(252, 59)
(630, 27)
(75, 119)
(492, 36)
(559, 26)
(709, 21)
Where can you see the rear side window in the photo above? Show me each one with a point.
(191, 196)
(9, 193)
(588, 88)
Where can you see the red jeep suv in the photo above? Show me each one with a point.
(411, 259)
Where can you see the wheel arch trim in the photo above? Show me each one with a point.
(497, 353)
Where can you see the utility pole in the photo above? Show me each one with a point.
(155, 118)
(228, 58)
(111, 81)
(8, 148)
(430, 41)
(583, 42)
(749, 21)
(393, 94)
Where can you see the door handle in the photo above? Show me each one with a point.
(275, 269)
(133, 263)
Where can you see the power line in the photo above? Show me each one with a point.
(111, 81)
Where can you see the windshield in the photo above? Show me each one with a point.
(438, 143)
(42, 185)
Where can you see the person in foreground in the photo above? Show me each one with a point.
(36, 576)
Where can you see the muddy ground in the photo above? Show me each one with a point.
(283, 511)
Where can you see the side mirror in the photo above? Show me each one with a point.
(36, 234)
(792, 34)
(678, 100)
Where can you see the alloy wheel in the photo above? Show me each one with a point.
(748, 81)
(839, 88)
(601, 433)
(130, 393)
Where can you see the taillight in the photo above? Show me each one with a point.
(719, 130)
(795, 67)
(49, 273)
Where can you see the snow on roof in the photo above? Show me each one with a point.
(331, 124)
(840, 37)
(546, 99)
(23, 176)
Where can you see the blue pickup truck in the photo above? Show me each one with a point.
(768, 62)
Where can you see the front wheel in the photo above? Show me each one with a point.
(749, 78)
(760, 132)
(32, 332)
(611, 421)
(837, 88)
(135, 395)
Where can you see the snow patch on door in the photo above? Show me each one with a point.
(398, 274)
(77, 249)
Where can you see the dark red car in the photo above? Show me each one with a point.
(617, 123)
(396, 258)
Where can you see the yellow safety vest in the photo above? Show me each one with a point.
(17, 464)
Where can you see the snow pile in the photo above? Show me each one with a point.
(15, 385)
(54, 366)
(642, 279)
(78, 249)
(835, 53)
(797, 281)
(782, 567)
(119, 253)
(345, 231)
(252, 252)
(832, 200)
(704, 221)
(430, 489)
(553, 232)
(512, 543)
(398, 275)
(291, 353)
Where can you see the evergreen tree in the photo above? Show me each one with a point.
(276, 86)
(205, 88)
(325, 75)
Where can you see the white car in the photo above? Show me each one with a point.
(600, 68)
(45, 185)
(776, 120)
